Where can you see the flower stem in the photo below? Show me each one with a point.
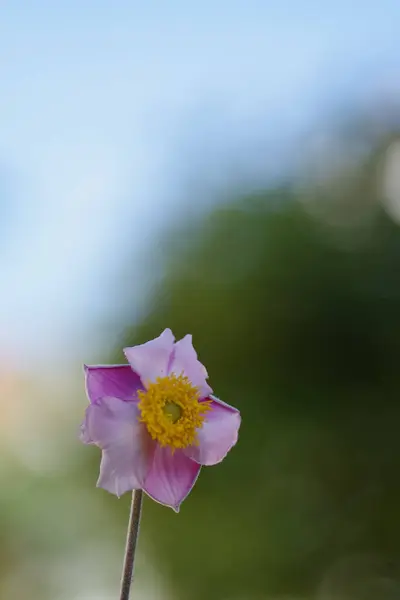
(131, 542)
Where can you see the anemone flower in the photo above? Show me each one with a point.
(156, 420)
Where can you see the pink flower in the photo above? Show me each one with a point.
(156, 421)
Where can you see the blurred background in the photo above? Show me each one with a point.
(232, 170)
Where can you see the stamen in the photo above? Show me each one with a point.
(171, 410)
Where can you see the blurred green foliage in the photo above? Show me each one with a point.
(292, 295)
(298, 323)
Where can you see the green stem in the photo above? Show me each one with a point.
(131, 543)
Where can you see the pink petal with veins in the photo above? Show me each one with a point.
(171, 477)
(217, 436)
(113, 425)
(185, 361)
(150, 360)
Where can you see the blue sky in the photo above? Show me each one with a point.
(96, 99)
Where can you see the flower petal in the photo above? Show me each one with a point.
(218, 434)
(113, 425)
(150, 360)
(118, 381)
(185, 361)
(171, 477)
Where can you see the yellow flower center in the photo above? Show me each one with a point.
(171, 411)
